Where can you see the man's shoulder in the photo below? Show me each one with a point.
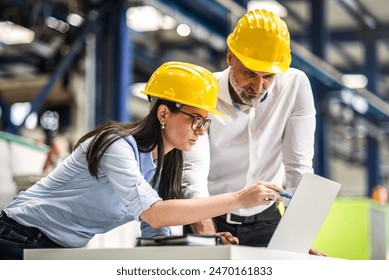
(222, 73)
(218, 74)
(294, 72)
(291, 75)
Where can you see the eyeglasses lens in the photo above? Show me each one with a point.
(198, 122)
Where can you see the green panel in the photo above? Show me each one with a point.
(346, 230)
(23, 141)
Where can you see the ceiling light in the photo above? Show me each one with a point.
(354, 81)
(147, 18)
(360, 105)
(19, 111)
(75, 19)
(183, 30)
(57, 24)
(272, 6)
(168, 22)
(356, 102)
(13, 34)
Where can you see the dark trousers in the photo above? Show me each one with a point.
(257, 234)
(14, 238)
(254, 231)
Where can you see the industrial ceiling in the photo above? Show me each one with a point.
(329, 38)
(350, 26)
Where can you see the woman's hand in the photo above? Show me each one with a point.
(259, 193)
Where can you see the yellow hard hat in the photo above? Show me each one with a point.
(261, 42)
(184, 83)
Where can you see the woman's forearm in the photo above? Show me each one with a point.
(188, 211)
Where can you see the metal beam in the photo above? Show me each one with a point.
(319, 40)
(378, 110)
(58, 72)
(354, 8)
(373, 167)
(113, 65)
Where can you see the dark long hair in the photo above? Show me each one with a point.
(148, 135)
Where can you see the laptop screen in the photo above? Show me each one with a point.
(305, 214)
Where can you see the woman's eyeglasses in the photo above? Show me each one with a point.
(197, 121)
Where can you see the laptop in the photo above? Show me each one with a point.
(305, 214)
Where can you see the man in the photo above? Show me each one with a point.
(269, 135)
(379, 194)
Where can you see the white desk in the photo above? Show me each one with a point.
(168, 253)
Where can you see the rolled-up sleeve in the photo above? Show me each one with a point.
(123, 172)
(148, 231)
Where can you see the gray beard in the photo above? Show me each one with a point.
(240, 91)
(251, 101)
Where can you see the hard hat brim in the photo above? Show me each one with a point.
(262, 66)
(203, 107)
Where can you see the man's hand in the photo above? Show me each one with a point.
(228, 238)
(316, 253)
(207, 227)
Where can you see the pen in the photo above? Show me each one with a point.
(286, 195)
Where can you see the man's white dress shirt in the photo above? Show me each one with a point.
(271, 141)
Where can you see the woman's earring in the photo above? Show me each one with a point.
(162, 125)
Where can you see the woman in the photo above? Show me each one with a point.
(118, 173)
